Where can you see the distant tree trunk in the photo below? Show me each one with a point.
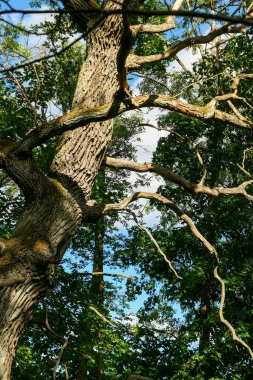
(56, 206)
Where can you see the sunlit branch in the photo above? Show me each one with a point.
(235, 110)
(82, 117)
(180, 180)
(135, 61)
(93, 309)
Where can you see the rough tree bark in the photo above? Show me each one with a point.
(56, 205)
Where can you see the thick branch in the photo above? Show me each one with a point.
(135, 61)
(180, 180)
(84, 116)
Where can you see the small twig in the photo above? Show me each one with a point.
(151, 79)
(194, 27)
(160, 251)
(185, 68)
(66, 372)
(244, 155)
(92, 308)
(22, 90)
(242, 166)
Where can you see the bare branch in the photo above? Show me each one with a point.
(151, 79)
(225, 321)
(181, 63)
(135, 61)
(235, 110)
(159, 250)
(180, 180)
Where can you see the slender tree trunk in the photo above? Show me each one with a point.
(98, 286)
(82, 368)
(56, 206)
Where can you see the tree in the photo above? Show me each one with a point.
(58, 200)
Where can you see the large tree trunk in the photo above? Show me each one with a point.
(56, 206)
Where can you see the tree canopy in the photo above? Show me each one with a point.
(115, 262)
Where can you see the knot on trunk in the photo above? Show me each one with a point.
(2, 247)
